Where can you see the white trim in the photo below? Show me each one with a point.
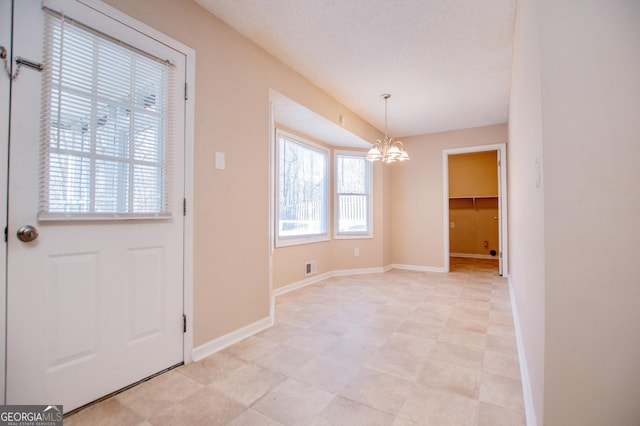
(5, 40)
(336, 225)
(326, 275)
(229, 339)
(299, 284)
(361, 271)
(529, 408)
(189, 140)
(271, 217)
(445, 207)
(418, 268)
(473, 256)
(502, 149)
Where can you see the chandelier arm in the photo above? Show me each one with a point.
(388, 150)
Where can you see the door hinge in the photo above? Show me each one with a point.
(184, 207)
(500, 255)
(184, 323)
(6, 233)
(186, 91)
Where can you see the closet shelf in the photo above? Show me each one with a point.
(473, 198)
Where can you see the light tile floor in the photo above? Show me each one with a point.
(399, 348)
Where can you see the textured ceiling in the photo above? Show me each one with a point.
(447, 63)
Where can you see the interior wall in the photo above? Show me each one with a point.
(473, 221)
(474, 227)
(417, 194)
(526, 207)
(231, 211)
(590, 68)
(474, 174)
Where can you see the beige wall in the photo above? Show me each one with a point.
(473, 227)
(590, 75)
(233, 79)
(417, 194)
(526, 202)
(574, 252)
(474, 174)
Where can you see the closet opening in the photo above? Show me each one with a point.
(474, 209)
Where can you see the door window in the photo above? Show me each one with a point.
(105, 138)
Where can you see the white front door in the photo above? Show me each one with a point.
(95, 302)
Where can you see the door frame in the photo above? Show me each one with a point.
(189, 132)
(502, 197)
(6, 12)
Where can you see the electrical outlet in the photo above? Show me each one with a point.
(356, 252)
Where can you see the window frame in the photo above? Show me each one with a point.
(285, 241)
(368, 234)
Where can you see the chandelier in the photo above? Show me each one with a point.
(388, 150)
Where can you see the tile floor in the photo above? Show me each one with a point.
(399, 348)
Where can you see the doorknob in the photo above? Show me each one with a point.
(27, 233)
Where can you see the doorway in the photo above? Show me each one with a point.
(475, 205)
(98, 280)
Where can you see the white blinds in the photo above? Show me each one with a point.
(106, 127)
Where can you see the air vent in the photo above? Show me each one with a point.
(311, 267)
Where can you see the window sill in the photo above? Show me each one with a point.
(287, 242)
(93, 217)
(353, 237)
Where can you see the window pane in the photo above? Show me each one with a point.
(302, 194)
(106, 149)
(352, 176)
(111, 187)
(113, 125)
(69, 176)
(353, 213)
(145, 195)
(353, 198)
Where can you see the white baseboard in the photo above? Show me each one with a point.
(346, 272)
(529, 409)
(473, 256)
(320, 277)
(229, 339)
(303, 283)
(418, 268)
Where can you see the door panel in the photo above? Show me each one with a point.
(93, 305)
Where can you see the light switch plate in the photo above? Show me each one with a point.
(220, 161)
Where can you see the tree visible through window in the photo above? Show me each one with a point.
(302, 189)
(353, 195)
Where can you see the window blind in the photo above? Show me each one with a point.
(106, 127)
